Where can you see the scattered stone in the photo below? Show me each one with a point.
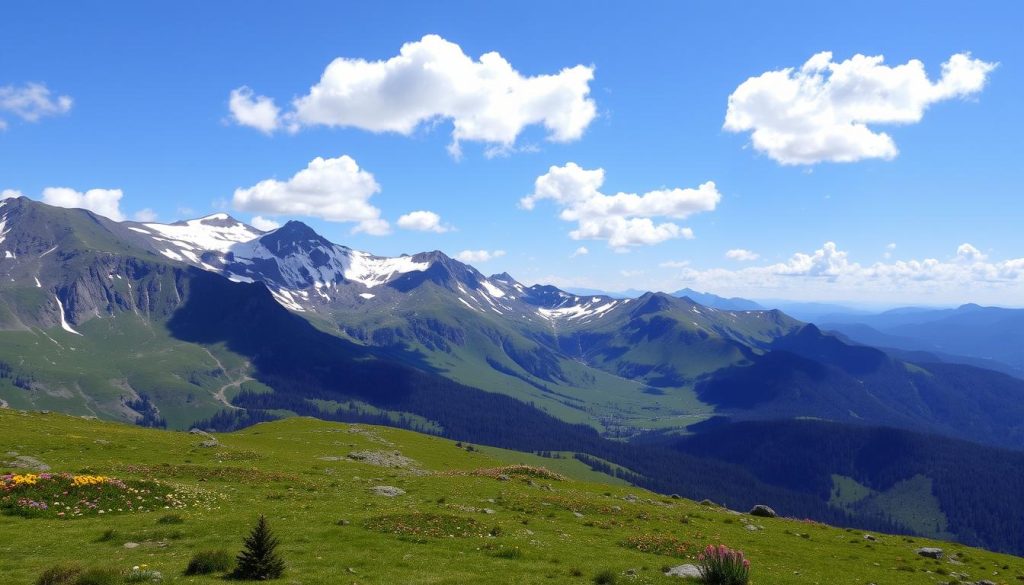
(752, 528)
(503, 477)
(870, 537)
(577, 514)
(631, 498)
(683, 571)
(488, 511)
(199, 432)
(930, 552)
(762, 511)
(131, 545)
(389, 491)
(26, 462)
(211, 442)
(342, 522)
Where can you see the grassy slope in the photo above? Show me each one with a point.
(280, 473)
(182, 378)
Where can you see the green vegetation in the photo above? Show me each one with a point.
(454, 519)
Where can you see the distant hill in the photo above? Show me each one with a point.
(984, 333)
(713, 300)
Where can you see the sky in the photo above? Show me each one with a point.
(863, 153)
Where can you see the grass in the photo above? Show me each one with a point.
(452, 526)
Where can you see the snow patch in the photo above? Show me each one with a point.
(367, 296)
(64, 322)
(492, 290)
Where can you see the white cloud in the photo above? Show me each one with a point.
(10, 194)
(822, 111)
(477, 256)
(623, 219)
(258, 112)
(741, 255)
(829, 273)
(432, 79)
(581, 251)
(145, 215)
(31, 102)
(968, 253)
(105, 202)
(334, 189)
(889, 249)
(373, 227)
(674, 264)
(422, 221)
(263, 224)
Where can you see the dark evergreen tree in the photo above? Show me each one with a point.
(259, 560)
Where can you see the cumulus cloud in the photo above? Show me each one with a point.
(741, 255)
(258, 112)
(623, 219)
(10, 194)
(829, 272)
(105, 202)
(423, 221)
(145, 215)
(822, 111)
(334, 189)
(32, 102)
(477, 256)
(581, 251)
(263, 224)
(486, 99)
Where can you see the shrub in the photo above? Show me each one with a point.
(59, 575)
(720, 565)
(259, 561)
(171, 519)
(142, 575)
(209, 561)
(606, 577)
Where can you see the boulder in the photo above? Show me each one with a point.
(683, 571)
(930, 552)
(389, 491)
(762, 511)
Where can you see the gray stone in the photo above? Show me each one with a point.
(930, 552)
(683, 571)
(762, 511)
(131, 545)
(389, 491)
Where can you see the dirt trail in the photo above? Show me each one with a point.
(220, 394)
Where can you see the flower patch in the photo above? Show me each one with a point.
(65, 495)
(427, 524)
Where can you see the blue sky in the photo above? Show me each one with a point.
(150, 85)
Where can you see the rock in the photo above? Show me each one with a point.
(752, 528)
(211, 442)
(503, 477)
(683, 571)
(26, 462)
(131, 545)
(577, 514)
(199, 432)
(389, 491)
(870, 537)
(488, 511)
(762, 511)
(930, 552)
(631, 498)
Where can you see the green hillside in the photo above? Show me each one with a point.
(459, 520)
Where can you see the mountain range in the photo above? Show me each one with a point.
(214, 323)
